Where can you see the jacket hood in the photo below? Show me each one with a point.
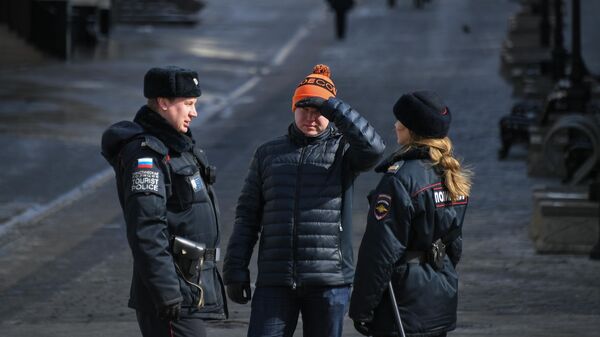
(116, 136)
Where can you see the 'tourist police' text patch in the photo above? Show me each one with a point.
(382, 206)
(145, 181)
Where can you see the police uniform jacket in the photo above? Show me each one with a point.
(409, 210)
(164, 185)
(297, 195)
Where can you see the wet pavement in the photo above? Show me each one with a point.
(68, 272)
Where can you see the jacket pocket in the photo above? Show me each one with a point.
(184, 181)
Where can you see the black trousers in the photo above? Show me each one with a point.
(152, 326)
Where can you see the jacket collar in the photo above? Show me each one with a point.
(300, 139)
(155, 124)
(403, 154)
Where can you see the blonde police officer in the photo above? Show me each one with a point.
(413, 234)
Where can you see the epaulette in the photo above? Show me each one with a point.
(200, 155)
(395, 167)
(155, 144)
(131, 148)
(209, 171)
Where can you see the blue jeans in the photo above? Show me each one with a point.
(275, 311)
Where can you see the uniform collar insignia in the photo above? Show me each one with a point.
(394, 168)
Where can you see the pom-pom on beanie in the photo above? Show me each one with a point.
(317, 84)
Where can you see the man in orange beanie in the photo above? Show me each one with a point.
(298, 197)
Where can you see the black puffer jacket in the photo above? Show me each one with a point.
(410, 209)
(298, 196)
(165, 190)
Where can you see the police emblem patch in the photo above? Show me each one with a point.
(382, 206)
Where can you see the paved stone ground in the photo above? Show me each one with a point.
(69, 273)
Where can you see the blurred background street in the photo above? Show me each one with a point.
(65, 265)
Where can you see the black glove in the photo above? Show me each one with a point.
(313, 102)
(239, 292)
(362, 327)
(170, 312)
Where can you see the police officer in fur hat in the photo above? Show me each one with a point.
(165, 188)
(413, 235)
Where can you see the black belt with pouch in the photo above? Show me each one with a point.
(189, 256)
(435, 255)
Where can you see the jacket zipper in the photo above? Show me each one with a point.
(340, 244)
(295, 222)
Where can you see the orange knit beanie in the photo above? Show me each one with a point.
(317, 84)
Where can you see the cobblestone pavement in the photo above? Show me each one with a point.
(68, 274)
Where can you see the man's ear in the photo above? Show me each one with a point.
(163, 103)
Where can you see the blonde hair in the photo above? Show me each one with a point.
(457, 179)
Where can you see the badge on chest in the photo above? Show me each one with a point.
(196, 182)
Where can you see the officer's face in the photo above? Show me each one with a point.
(179, 112)
(310, 121)
(402, 133)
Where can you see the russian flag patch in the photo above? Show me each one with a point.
(145, 163)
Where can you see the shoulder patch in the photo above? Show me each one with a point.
(145, 178)
(382, 206)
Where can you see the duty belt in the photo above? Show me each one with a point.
(435, 256)
(212, 254)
